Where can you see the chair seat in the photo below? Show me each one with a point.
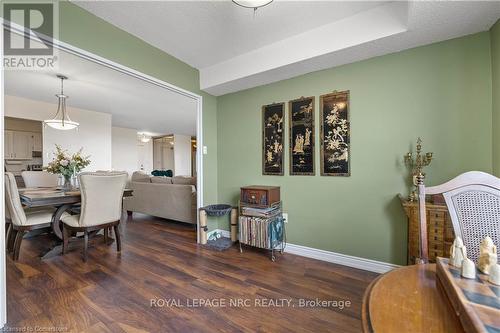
(35, 216)
(71, 220)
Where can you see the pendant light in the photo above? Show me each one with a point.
(61, 120)
(252, 3)
(144, 138)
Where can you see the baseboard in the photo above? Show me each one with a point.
(333, 257)
(341, 259)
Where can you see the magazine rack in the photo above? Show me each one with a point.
(262, 227)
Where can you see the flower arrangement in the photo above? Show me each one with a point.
(67, 165)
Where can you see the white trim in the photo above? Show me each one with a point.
(3, 268)
(122, 69)
(333, 257)
(141, 76)
(341, 259)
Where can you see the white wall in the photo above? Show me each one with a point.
(182, 155)
(145, 156)
(129, 153)
(94, 133)
(124, 152)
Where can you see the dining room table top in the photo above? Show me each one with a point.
(46, 196)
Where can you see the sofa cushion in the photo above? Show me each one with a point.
(139, 176)
(182, 180)
(161, 180)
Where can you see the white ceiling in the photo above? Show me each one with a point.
(235, 50)
(133, 103)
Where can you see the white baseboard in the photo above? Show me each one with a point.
(341, 259)
(333, 257)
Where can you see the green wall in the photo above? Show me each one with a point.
(441, 92)
(86, 31)
(495, 76)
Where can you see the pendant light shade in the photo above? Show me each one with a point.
(144, 138)
(252, 3)
(61, 120)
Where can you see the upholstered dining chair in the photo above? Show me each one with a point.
(101, 207)
(473, 201)
(39, 179)
(22, 219)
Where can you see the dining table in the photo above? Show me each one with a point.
(62, 200)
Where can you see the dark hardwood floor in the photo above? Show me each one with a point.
(161, 261)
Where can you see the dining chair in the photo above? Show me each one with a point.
(473, 201)
(39, 179)
(22, 219)
(101, 207)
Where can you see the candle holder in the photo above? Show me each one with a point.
(417, 165)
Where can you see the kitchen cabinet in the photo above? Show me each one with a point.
(37, 141)
(9, 144)
(18, 145)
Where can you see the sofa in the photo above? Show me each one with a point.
(172, 198)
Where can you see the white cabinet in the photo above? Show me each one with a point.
(37, 141)
(9, 144)
(23, 145)
(18, 145)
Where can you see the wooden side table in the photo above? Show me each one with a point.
(408, 300)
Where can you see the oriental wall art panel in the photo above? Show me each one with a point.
(335, 134)
(302, 136)
(273, 139)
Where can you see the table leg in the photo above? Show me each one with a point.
(56, 220)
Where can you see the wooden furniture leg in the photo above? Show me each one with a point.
(85, 244)
(66, 236)
(106, 236)
(7, 236)
(12, 238)
(118, 238)
(17, 244)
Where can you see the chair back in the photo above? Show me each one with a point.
(102, 195)
(39, 179)
(473, 201)
(13, 207)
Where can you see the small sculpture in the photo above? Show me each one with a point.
(487, 255)
(495, 274)
(468, 269)
(458, 252)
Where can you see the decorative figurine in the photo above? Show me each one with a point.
(468, 269)
(495, 274)
(458, 252)
(417, 165)
(487, 255)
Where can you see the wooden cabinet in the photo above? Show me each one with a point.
(260, 196)
(18, 145)
(440, 233)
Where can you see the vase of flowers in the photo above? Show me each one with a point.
(67, 165)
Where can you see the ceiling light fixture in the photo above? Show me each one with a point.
(255, 4)
(64, 123)
(144, 138)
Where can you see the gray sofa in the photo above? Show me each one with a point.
(172, 198)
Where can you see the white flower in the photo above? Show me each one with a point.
(64, 162)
